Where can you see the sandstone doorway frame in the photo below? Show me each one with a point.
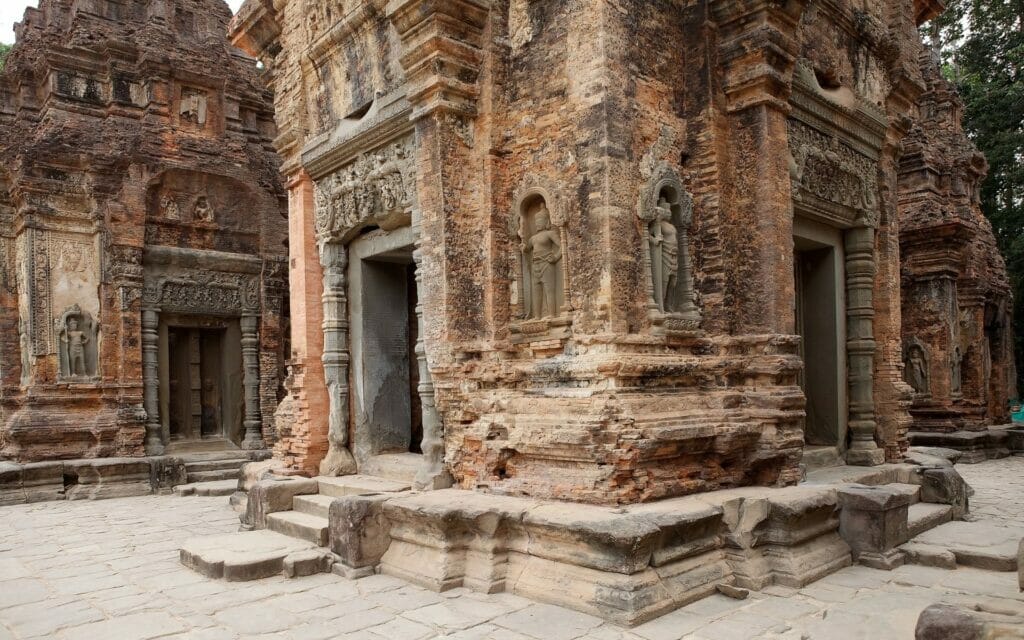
(819, 252)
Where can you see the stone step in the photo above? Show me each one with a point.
(924, 516)
(205, 489)
(359, 485)
(820, 457)
(214, 465)
(211, 476)
(252, 555)
(979, 544)
(913, 490)
(299, 525)
(314, 505)
(400, 467)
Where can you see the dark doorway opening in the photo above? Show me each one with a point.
(818, 318)
(196, 383)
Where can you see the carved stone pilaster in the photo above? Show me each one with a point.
(339, 460)
(150, 381)
(251, 382)
(860, 345)
(432, 474)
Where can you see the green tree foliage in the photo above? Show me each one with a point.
(982, 44)
(4, 50)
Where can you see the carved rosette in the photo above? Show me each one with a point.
(366, 191)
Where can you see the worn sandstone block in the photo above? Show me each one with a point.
(360, 534)
(873, 521)
(272, 496)
(107, 478)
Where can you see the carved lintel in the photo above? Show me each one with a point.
(373, 189)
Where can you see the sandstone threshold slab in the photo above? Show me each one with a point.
(246, 555)
(974, 544)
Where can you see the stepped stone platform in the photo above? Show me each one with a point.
(626, 565)
(253, 555)
(102, 478)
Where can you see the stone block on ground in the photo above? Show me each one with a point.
(247, 555)
(976, 544)
(360, 534)
(873, 521)
(273, 495)
(979, 622)
(107, 478)
(944, 485)
(32, 482)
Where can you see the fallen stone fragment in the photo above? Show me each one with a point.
(736, 593)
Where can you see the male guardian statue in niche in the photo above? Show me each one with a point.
(916, 371)
(76, 340)
(664, 253)
(544, 252)
(203, 211)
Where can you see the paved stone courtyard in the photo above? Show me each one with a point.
(109, 570)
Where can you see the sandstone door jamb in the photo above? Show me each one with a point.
(334, 259)
(150, 380)
(253, 439)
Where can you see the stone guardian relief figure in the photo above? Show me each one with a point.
(665, 210)
(664, 255)
(77, 345)
(542, 251)
(915, 372)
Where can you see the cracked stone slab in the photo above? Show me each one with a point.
(247, 555)
(975, 544)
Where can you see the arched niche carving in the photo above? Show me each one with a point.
(666, 213)
(539, 227)
(78, 353)
(916, 360)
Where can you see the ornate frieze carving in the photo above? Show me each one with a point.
(204, 293)
(833, 172)
(371, 188)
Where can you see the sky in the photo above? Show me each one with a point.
(11, 11)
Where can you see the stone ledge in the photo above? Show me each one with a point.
(93, 478)
(626, 565)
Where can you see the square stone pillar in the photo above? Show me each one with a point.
(873, 521)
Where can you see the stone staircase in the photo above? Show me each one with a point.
(294, 542)
(308, 519)
(922, 516)
(212, 473)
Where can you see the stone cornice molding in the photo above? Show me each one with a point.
(442, 51)
(758, 46)
(389, 120)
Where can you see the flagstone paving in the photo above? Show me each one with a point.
(109, 570)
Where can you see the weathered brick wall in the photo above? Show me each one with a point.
(96, 123)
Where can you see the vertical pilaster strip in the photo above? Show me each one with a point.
(334, 260)
(860, 346)
(251, 382)
(432, 474)
(150, 380)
